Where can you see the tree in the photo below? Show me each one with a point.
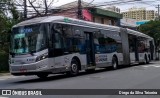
(8, 17)
(43, 6)
(152, 28)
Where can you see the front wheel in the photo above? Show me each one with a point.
(114, 63)
(74, 69)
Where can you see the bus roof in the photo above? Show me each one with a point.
(66, 20)
(129, 31)
(38, 20)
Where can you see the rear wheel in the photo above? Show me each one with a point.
(114, 63)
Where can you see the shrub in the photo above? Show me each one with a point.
(4, 66)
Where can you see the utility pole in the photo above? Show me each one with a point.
(79, 13)
(158, 10)
(25, 9)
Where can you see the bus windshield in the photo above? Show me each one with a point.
(28, 39)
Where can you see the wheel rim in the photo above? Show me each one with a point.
(74, 68)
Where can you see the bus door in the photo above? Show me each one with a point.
(90, 52)
(151, 49)
(136, 49)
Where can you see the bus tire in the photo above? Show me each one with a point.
(42, 75)
(114, 63)
(74, 69)
(146, 60)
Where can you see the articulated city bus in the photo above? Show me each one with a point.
(56, 44)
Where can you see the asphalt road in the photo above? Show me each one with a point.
(133, 77)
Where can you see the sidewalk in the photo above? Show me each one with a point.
(5, 74)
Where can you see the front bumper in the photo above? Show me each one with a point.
(35, 68)
(48, 71)
(29, 68)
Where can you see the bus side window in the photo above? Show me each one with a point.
(67, 38)
(111, 45)
(106, 45)
(57, 40)
(76, 44)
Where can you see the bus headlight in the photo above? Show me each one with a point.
(41, 57)
(11, 61)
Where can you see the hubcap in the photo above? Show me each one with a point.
(74, 68)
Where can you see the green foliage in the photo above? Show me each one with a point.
(152, 28)
(6, 23)
(4, 62)
(8, 17)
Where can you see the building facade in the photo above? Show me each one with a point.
(89, 13)
(105, 17)
(139, 14)
(113, 9)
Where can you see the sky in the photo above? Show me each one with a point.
(148, 4)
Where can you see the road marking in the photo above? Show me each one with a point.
(157, 66)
